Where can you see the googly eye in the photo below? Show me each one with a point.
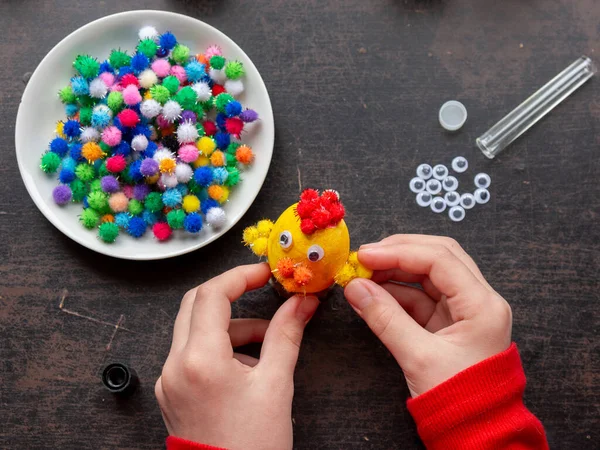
(450, 183)
(315, 253)
(452, 198)
(460, 164)
(285, 239)
(482, 180)
(424, 171)
(417, 185)
(457, 213)
(467, 201)
(438, 205)
(440, 172)
(433, 186)
(424, 199)
(482, 196)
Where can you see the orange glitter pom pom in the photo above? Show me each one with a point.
(91, 151)
(244, 154)
(302, 275)
(215, 192)
(107, 218)
(167, 165)
(285, 266)
(217, 159)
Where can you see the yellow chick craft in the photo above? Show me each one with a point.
(308, 247)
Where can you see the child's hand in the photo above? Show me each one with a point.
(209, 394)
(456, 321)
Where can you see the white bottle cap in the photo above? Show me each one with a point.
(453, 115)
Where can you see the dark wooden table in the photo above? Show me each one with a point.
(356, 87)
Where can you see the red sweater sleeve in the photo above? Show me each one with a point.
(175, 443)
(480, 408)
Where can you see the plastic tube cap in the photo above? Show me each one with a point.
(453, 115)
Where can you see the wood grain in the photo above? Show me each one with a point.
(355, 87)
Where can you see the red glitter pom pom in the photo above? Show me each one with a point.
(321, 218)
(307, 226)
(305, 209)
(330, 196)
(234, 125)
(308, 195)
(337, 212)
(209, 128)
(128, 118)
(128, 79)
(217, 89)
(116, 164)
(162, 231)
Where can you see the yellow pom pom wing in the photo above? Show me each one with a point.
(257, 237)
(351, 270)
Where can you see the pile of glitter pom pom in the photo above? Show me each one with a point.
(151, 140)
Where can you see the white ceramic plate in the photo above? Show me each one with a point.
(40, 109)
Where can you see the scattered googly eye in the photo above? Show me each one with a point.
(482, 196)
(467, 200)
(285, 239)
(315, 253)
(457, 213)
(433, 186)
(424, 199)
(460, 164)
(417, 185)
(482, 180)
(424, 171)
(452, 198)
(440, 172)
(438, 205)
(450, 183)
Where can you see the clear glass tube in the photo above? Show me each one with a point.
(520, 119)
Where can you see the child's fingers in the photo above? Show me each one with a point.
(391, 324)
(381, 276)
(211, 311)
(446, 271)
(181, 329)
(247, 331)
(282, 341)
(414, 301)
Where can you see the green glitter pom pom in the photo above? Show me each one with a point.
(180, 54)
(98, 200)
(50, 162)
(175, 218)
(79, 190)
(231, 160)
(118, 59)
(87, 66)
(172, 84)
(66, 95)
(200, 129)
(89, 218)
(234, 70)
(194, 187)
(85, 115)
(102, 170)
(217, 62)
(153, 202)
(115, 101)
(96, 185)
(222, 100)
(233, 176)
(105, 147)
(125, 177)
(85, 172)
(232, 148)
(135, 207)
(86, 100)
(186, 97)
(148, 47)
(108, 232)
(160, 93)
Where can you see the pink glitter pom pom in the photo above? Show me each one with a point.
(213, 50)
(131, 95)
(179, 73)
(162, 122)
(161, 67)
(128, 191)
(108, 78)
(188, 153)
(111, 136)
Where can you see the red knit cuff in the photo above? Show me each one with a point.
(480, 407)
(175, 443)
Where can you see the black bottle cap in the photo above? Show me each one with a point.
(120, 379)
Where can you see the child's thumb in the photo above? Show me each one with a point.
(387, 319)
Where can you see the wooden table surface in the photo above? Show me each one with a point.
(356, 87)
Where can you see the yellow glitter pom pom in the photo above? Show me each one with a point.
(201, 161)
(363, 272)
(91, 151)
(206, 145)
(147, 95)
(60, 125)
(190, 203)
(250, 235)
(264, 227)
(353, 258)
(259, 246)
(153, 179)
(167, 165)
(345, 275)
(217, 159)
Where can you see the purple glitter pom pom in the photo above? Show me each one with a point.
(249, 115)
(140, 191)
(109, 184)
(189, 116)
(62, 194)
(149, 167)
